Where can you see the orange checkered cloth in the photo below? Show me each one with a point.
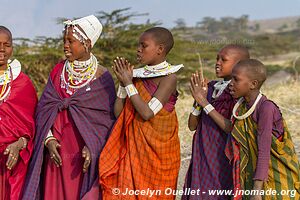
(141, 156)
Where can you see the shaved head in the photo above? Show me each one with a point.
(255, 69)
(162, 36)
(240, 52)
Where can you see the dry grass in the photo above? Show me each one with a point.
(286, 96)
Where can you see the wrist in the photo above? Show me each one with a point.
(128, 82)
(121, 93)
(202, 102)
(208, 108)
(131, 90)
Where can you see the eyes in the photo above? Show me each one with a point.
(143, 45)
(223, 59)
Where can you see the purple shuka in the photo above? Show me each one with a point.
(209, 167)
(92, 112)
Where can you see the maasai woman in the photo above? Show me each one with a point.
(74, 118)
(18, 100)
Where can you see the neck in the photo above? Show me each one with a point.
(251, 96)
(3, 68)
(228, 78)
(84, 58)
(156, 62)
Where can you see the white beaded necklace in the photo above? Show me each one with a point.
(5, 81)
(82, 72)
(249, 112)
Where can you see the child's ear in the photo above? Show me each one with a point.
(254, 84)
(161, 49)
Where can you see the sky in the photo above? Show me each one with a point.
(31, 18)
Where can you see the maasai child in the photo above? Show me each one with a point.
(18, 100)
(209, 168)
(263, 152)
(74, 118)
(143, 151)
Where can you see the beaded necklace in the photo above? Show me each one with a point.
(78, 73)
(5, 81)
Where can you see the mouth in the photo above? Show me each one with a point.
(67, 53)
(2, 56)
(218, 68)
(138, 58)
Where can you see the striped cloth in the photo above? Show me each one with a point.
(209, 167)
(141, 155)
(284, 171)
(92, 112)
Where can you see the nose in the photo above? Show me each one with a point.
(1, 47)
(139, 49)
(218, 61)
(66, 45)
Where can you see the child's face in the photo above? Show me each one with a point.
(226, 59)
(73, 48)
(240, 84)
(148, 51)
(6, 48)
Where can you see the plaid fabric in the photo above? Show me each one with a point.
(232, 151)
(284, 168)
(92, 112)
(209, 167)
(141, 155)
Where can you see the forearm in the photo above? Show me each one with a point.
(222, 122)
(118, 106)
(141, 107)
(258, 185)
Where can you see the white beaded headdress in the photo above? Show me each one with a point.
(90, 25)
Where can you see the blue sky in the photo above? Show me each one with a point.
(30, 18)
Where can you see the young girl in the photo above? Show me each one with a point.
(209, 167)
(18, 100)
(74, 118)
(143, 151)
(261, 148)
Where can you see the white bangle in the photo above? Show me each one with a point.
(208, 108)
(195, 111)
(131, 90)
(155, 105)
(121, 92)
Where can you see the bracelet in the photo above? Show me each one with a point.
(208, 108)
(196, 111)
(48, 139)
(131, 90)
(121, 92)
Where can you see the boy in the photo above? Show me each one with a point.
(209, 168)
(143, 151)
(263, 153)
(17, 105)
(74, 118)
